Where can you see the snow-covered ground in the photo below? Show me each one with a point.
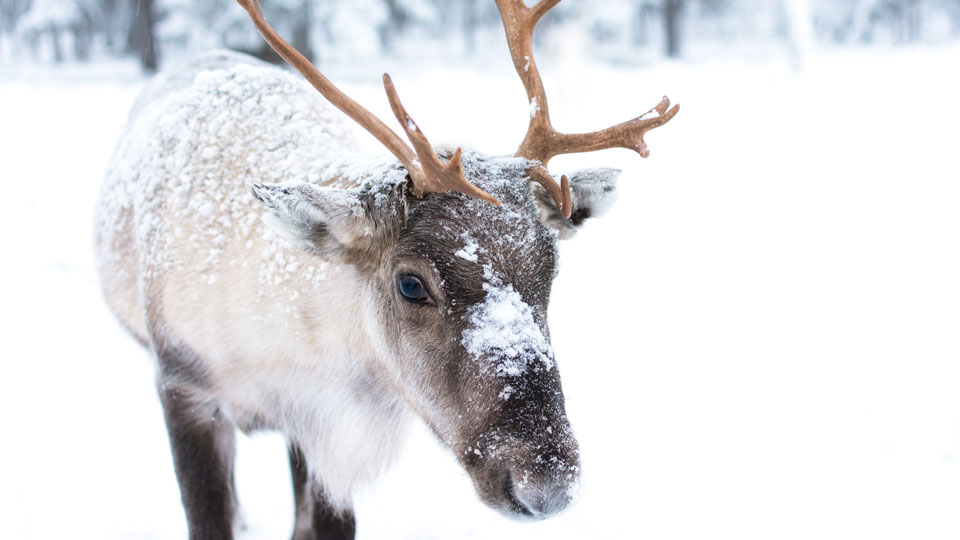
(762, 340)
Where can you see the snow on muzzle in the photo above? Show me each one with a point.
(526, 471)
(522, 456)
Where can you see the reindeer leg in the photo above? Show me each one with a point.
(202, 442)
(316, 518)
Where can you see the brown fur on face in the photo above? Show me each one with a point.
(510, 432)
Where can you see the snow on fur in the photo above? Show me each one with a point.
(226, 123)
(502, 330)
(179, 183)
(469, 250)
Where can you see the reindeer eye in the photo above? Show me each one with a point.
(412, 289)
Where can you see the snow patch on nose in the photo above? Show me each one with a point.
(502, 330)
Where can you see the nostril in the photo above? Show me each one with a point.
(542, 497)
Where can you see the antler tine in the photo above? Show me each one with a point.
(519, 22)
(559, 192)
(435, 176)
(627, 135)
(542, 142)
(426, 170)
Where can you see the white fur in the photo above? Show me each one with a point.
(181, 241)
(303, 367)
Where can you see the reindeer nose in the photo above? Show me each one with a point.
(542, 497)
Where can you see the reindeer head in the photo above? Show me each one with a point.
(458, 259)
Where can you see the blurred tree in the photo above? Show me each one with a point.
(303, 27)
(142, 37)
(83, 28)
(910, 20)
(396, 23)
(672, 26)
(898, 21)
(341, 29)
(471, 21)
(799, 30)
(52, 19)
(10, 13)
(299, 15)
(110, 19)
(640, 28)
(205, 24)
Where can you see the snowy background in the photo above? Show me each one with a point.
(761, 340)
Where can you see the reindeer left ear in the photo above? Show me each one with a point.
(323, 220)
(592, 193)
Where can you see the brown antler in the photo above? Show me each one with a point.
(427, 172)
(542, 141)
(438, 176)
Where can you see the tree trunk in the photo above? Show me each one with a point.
(672, 19)
(142, 38)
(471, 20)
(109, 13)
(915, 20)
(55, 41)
(862, 31)
(640, 27)
(301, 31)
(396, 21)
(82, 38)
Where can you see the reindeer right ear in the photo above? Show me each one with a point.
(592, 193)
(322, 220)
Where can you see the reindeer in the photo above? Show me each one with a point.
(282, 282)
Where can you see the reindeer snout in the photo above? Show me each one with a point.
(529, 480)
(544, 496)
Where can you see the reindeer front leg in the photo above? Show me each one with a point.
(316, 518)
(202, 442)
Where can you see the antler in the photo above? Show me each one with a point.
(542, 141)
(437, 176)
(426, 170)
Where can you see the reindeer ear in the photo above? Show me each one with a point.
(322, 220)
(592, 193)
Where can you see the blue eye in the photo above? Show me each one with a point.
(412, 289)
